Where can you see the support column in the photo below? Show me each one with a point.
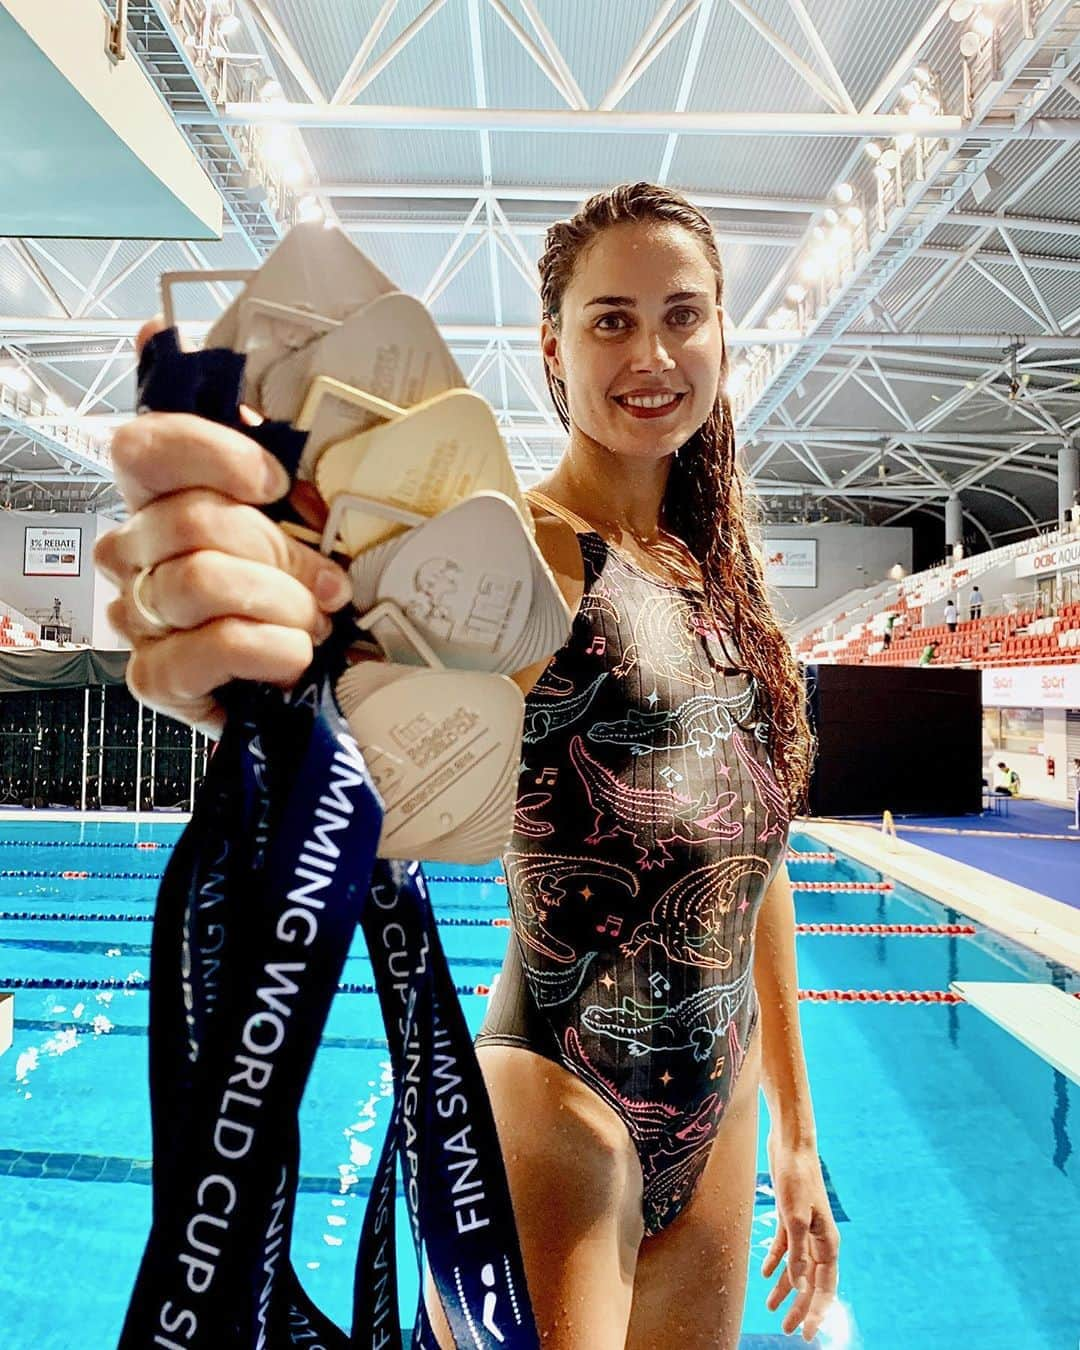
(1068, 478)
(954, 526)
(85, 744)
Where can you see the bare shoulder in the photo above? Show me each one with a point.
(558, 543)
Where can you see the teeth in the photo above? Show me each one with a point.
(649, 401)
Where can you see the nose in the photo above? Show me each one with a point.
(650, 356)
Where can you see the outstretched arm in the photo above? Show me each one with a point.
(785, 1083)
(805, 1228)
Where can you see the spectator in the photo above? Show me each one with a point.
(975, 601)
(887, 635)
(928, 653)
(950, 614)
(1006, 780)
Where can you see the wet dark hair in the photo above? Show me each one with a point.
(705, 502)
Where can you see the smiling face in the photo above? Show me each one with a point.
(639, 344)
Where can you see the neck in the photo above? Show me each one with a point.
(601, 485)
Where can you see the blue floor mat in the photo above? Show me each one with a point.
(1047, 865)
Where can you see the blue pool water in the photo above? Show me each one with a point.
(950, 1150)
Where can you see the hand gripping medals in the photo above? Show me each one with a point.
(314, 802)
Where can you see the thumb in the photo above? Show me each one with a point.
(149, 329)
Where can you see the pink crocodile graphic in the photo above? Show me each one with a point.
(631, 811)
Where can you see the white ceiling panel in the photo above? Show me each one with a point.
(719, 61)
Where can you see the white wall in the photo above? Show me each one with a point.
(1032, 766)
(28, 594)
(848, 556)
(1034, 780)
(82, 598)
(104, 635)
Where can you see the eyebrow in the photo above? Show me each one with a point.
(625, 301)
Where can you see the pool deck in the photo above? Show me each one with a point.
(1042, 923)
(1033, 845)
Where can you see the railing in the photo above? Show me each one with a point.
(35, 413)
(227, 78)
(963, 62)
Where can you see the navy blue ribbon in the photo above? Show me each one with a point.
(256, 913)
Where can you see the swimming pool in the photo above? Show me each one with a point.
(949, 1148)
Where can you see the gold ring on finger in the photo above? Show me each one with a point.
(146, 610)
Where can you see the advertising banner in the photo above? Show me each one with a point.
(1048, 560)
(52, 551)
(1032, 687)
(791, 562)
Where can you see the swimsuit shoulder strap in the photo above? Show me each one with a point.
(576, 522)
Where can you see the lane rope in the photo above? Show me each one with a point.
(81, 843)
(841, 887)
(836, 929)
(483, 990)
(72, 916)
(889, 929)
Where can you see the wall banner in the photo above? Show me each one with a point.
(791, 562)
(1049, 560)
(50, 551)
(1032, 687)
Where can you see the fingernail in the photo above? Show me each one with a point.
(332, 588)
(276, 481)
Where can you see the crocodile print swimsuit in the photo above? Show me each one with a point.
(648, 827)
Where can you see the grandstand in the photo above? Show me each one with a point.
(1016, 627)
(17, 632)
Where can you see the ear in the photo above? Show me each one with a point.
(549, 346)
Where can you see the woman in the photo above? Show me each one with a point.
(665, 746)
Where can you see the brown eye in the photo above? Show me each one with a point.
(616, 324)
(684, 317)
